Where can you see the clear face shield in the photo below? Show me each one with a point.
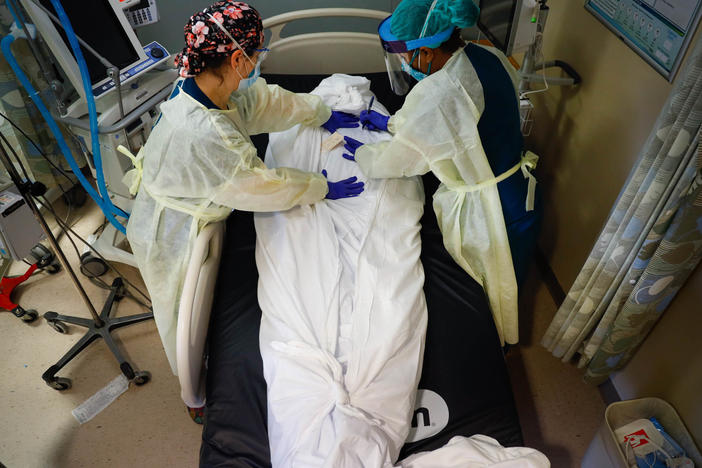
(397, 50)
(400, 82)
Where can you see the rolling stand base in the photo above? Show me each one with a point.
(104, 331)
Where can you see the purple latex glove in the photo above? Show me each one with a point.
(351, 146)
(346, 188)
(374, 121)
(340, 120)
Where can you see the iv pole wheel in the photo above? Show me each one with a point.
(142, 378)
(29, 316)
(60, 327)
(60, 383)
(91, 266)
(54, 323)
(45, 259)
(120, 293)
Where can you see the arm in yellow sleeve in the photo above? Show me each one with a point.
(391, 159)
(255, 187)
(268, 108)
(398, 157)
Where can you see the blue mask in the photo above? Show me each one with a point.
(416, 74)
(247, 82)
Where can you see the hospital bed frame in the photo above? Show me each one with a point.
(463, 360)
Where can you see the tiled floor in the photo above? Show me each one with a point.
(148, 426)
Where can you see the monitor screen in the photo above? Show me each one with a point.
(96, 23)
(496, 21)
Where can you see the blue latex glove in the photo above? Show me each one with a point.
(351, 146)
(340, 120)
(374, 121)
(346, 188)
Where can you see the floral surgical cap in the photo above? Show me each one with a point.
(205, 42)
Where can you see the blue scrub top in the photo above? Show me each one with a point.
(191, 87)
(500, 129)
(501, 136)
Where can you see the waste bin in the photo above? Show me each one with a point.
(604, 450)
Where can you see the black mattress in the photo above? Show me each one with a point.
(463, 360)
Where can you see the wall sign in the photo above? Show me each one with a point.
(658, 30)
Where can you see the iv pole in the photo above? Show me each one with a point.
(530, 65)
(100, 325)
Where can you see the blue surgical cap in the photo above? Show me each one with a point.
(409, 16)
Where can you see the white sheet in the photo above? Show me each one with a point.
(478, 451)
(344, 315)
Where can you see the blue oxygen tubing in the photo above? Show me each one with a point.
(16, 12)
(92, 111)
(103, 200)
(34, 95)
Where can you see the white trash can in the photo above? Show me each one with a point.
(604, 450)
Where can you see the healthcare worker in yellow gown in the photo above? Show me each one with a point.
(461, 122)
(199, 162)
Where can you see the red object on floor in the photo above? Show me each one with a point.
(7, 285)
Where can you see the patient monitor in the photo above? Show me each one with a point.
(104, 25)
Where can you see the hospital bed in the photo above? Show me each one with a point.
(219, 362)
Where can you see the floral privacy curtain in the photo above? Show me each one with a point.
(650, 245)
(671, 264)
(18, 107)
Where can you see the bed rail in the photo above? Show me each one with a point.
(324, 52)
(194, 313)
